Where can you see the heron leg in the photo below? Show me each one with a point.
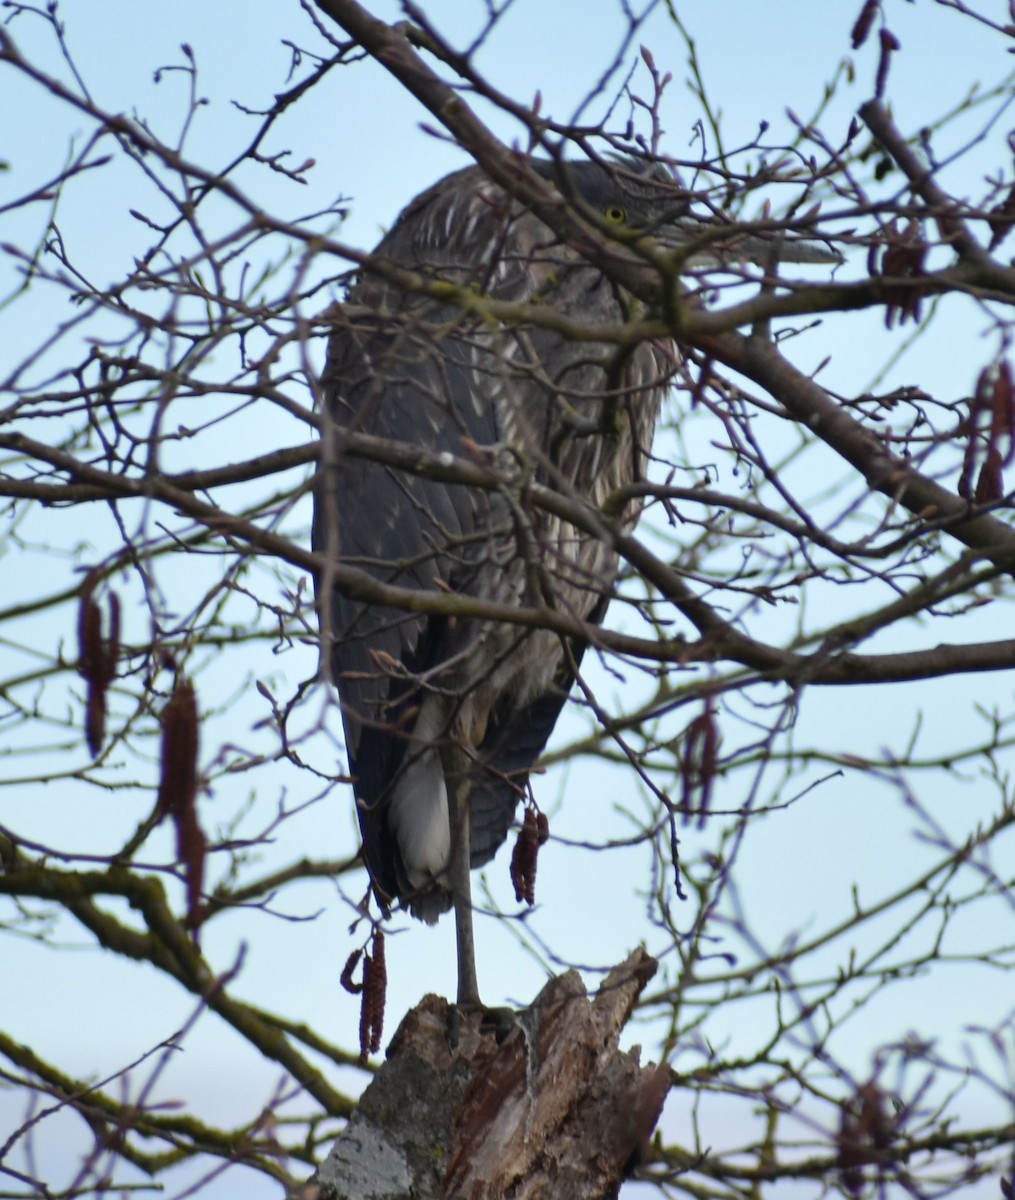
(456, 776)
(496, 1021)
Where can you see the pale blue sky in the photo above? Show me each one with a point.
(94, 1016)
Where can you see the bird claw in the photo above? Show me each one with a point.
(496, 1021)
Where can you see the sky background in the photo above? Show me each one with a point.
(369, 146)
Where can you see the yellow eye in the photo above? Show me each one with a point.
(614, 214)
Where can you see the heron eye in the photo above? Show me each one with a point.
(614, 214)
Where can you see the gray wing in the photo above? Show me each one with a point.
(404, 530)
(393, 371)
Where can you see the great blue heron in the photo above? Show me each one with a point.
(444, 718)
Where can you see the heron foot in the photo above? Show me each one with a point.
(496, 1022)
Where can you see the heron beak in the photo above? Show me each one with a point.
(716, 244)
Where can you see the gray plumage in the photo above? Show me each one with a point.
(578, 415)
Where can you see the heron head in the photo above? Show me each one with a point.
(634, 198)
(629, 196)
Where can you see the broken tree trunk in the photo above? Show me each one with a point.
(555, 1109)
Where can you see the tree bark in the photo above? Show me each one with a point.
(554, 1109)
